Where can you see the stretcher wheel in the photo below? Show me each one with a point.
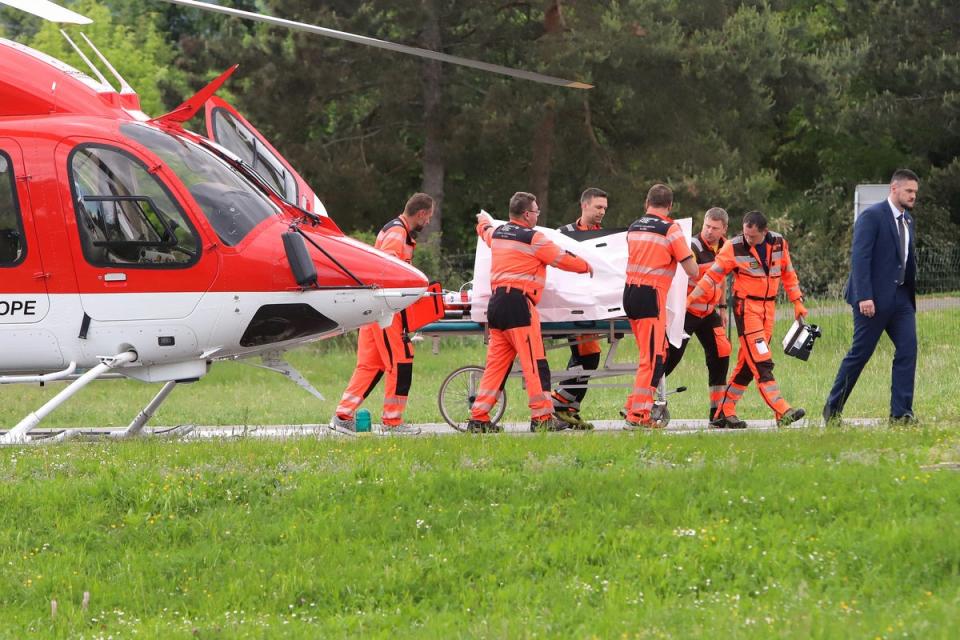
(660, 415)
(457, 394)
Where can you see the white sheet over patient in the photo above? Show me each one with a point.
(570, 296)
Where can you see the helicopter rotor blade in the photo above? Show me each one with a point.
(384, 44)
(48, 11)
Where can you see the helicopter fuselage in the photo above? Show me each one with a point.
(118, 233)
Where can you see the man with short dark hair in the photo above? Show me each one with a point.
(882, 292)
(518, 271)
(758, 259)
(584, 349)
(655, 245)
(387, 350)
(704, 319)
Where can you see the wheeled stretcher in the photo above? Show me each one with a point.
(459, 388)
(571, 305)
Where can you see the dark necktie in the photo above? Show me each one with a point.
(903, 249)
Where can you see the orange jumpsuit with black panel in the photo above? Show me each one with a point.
(655, 245)
(384, 351)
(757, 273)
(584, 352)
(703, 320)
(519, 259)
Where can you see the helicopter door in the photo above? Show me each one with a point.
(138, 256)
(229, 129)
(23, 282)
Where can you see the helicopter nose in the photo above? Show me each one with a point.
(390, 273)
(373, 268)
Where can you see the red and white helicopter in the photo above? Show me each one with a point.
(130, 246)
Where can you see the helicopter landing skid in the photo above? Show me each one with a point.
(50, 437)
(135, 427)
(20, 433)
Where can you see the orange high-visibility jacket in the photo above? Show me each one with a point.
(395, 238)
(655, 245)
(752, 278)
(705, 255)
(520, 256)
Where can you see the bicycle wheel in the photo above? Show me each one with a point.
(457, 394)
(660, 415)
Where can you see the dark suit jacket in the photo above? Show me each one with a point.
(875, 258)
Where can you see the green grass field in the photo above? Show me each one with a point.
(806, 533)
(823, 533)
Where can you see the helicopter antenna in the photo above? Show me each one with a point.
(48, 11)
(124, 86)
(96, 71)
(384, 44)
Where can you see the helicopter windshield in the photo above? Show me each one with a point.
(230, 133)
(232, 205)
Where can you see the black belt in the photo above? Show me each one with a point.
(761, 298)
(509, 288)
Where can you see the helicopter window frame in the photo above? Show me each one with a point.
(17, 213)
(220, 116)
(87, 243)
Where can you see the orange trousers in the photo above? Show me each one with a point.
(754, 320)
(646, 310)
(379, 352)
(514, 332)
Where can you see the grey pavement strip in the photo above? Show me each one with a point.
(676, 427)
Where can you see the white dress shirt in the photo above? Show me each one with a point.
(906, 227)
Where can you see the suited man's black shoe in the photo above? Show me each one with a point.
(831, 416)
(906, 420)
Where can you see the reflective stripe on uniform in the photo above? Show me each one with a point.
(505, 278)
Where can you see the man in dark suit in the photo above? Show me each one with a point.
(881, 290)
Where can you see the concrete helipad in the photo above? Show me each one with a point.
(194, 432)
(676, 427)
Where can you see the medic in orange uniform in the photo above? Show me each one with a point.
(703, 319)
(655, 246)
(584, 349)
(518, 271)
(387, 350)
(758, 259)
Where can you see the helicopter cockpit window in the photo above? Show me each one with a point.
(11, 230)
(125, 215)
(232, 134)
(232, 204)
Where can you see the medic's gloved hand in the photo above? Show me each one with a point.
(799, 311)
(483, 216)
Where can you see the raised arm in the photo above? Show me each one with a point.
(485, 227)
(690, 267)
(550, 254)
(714, 276)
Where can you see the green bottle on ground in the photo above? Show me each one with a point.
(363, 420)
